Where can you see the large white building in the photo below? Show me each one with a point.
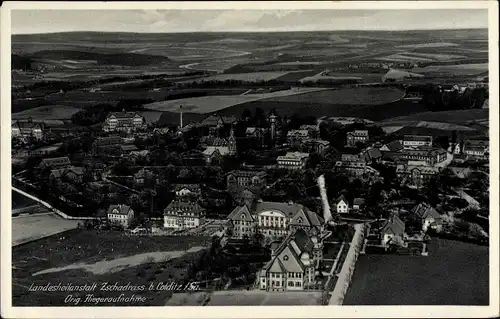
(123, 121)
(410, 141)
(293, 160)
(183, 214)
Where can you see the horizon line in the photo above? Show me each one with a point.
(247, 31)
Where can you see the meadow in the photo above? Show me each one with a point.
(49, 112)
(454, 273)
(33, 227)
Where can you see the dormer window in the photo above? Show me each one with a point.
(299, 220)
(285, 257)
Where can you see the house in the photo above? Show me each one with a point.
(183, 214)
(27, 129)
(428, 216)
(216, 121)
(392, 231)
(272, 219)
(256, 132)
(238, 179)
(342, 205)
(313, 129)
(308, 221)
(416, 176)
(455, 148)
(350, 157)
(357, 136)
(410, 141)
(123, 122)
(144, 177)
(187, 190)
(476, 149)
(122, 215)
(319, 146)
(293, 264)
(128, 149)
(71, 174)
(103, 144)
(297, 138)
(394, 146)
(372, 155)
(55, 163)
(214, 154)
(460, 172)
(293, 160)
(353, 168)
(358, 203)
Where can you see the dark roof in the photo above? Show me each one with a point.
(342, 197)
(191, 187)
(177, 206)
(241, 173)
(423, 210)
(57, 173)
(373, 153)
(122, 209)
(394, 225)
(423, 138)
(173, 119)
(359, 201)
(55, 161)
(394, 146)
(110, 140)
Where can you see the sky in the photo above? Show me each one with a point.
(172, 21)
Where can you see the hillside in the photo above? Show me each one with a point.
(20, 63)
(126, 59)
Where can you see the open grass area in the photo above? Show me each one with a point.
(458, 69)
(247, 77)
(48, 112)
(102, 257)
(454, 273)
(32, 227)
(454, 116)
(208, 104)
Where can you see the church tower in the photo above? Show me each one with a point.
(232, 142)
(272, 120)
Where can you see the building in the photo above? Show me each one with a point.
(342, 205)
(460, 172)
(218, 121)
(455, 148)
(293, 264)
(313, 129)
(213, 154)
(123, 122)
(103, 144)
(256, 132)
(357, 136)
(318, 146)
(425, 154)
(415, 176)
(394, 146)
(371, 155)
(297, 138)
(476, 149)
(410, 141)
(55, 163)
(27, 129)
(240, 179)
(353, 168)
(293, 160)
(358, 203)
(272, 219)
(428, 216)
(183, 214)
(187, 190)
(144, 177)
(127, 149)
(71, 174)
(122, 215)
(392, 231)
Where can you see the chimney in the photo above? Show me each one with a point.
(180, 108)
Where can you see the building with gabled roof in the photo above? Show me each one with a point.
(120, 215)
(293, 263)
(293, 160)
(371, 155)
(392, 231)
(26, 129)
(69, 174)
(357, 136)
(342, 205)
(416, 175)
(428, 215)
(55, 163)
(394, 146)
(410, 141)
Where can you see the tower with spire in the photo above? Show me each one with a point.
(272, 120)
(232, 142)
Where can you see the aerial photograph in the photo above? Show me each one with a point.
(250, 157)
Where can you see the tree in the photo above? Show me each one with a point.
(258, 237)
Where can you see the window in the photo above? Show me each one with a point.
(290, 284)
(298, 284)
(285, 257)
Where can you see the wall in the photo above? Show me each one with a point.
(345, 275)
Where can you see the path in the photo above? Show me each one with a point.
(121, 185)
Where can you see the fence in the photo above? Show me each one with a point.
(345, 275)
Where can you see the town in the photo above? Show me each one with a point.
(287, 177)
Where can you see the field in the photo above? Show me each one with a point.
(459, 117)
(454, 273)
(346, 96)
(459, 69)
(208, 104)
(50, 112)
(101, 257)
(32, 227)
(247, 298)
(247, 77)
(329, 107)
